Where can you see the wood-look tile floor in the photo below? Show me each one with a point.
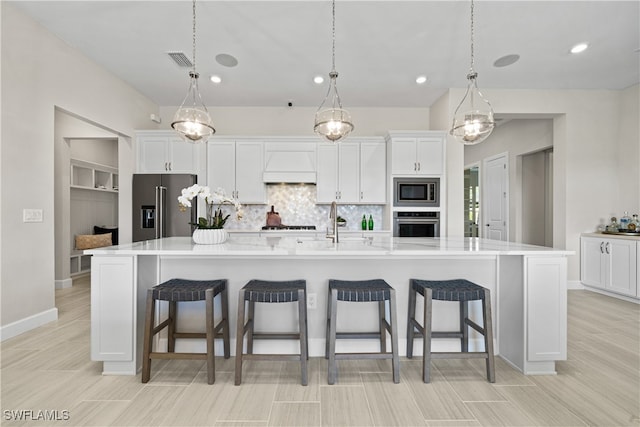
(599, 385)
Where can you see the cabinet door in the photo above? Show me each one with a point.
(349, 173)
(250, 187)
(591, 261)
(621, 269)
(182, 156)
(152, 154)
(403, 156)
(327, 173)
(373, 174)
(221, 166)
(429, 156)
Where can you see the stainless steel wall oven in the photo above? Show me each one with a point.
(416, 224)
(416, 192)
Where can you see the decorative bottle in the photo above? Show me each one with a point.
(634, 225)
(613, 225)
(624, 222)
(364, 222)
(370, 222)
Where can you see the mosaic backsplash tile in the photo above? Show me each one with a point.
(296, 204)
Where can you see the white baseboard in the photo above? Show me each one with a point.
(573, 285)
(64, 283)
(28, 323)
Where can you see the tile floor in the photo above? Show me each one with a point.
(49, 369)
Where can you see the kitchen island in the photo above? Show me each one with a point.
(527, 283)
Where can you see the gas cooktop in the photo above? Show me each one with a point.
(289, 227)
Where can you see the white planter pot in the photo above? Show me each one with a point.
(210, 237)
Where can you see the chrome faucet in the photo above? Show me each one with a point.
(333, 216)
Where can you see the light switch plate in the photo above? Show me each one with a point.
(32, 215)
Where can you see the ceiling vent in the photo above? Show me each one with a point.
(181, 59)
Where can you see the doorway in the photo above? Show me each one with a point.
(472, 201)
(496, 198)
(537, 197)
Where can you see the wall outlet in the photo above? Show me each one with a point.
(312, 301)
(32, 215)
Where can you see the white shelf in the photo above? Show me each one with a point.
(80, 263)
(93, 176)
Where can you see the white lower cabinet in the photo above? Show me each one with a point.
(237, 166)
(610, 264)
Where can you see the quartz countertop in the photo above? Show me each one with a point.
(320, 247)
(612, 236)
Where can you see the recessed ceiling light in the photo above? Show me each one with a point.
(580, 47)
(226, 60)
(318, 80)
(215, 79)
(421, 80)
(506, 60)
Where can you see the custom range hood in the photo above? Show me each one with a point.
(289, 162)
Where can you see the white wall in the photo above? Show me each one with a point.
(281, 121)
(40, 73)
(516, 137)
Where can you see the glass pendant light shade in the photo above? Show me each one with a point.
(473, 119)
(193, 122)
(334, 123)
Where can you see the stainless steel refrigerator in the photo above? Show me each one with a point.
(156, 211)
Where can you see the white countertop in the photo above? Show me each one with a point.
(612, 236)
(313, 247)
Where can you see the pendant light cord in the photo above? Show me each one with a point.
(333, 36)
(194, 36)
(472, 56)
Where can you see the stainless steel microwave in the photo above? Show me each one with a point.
(416, 192)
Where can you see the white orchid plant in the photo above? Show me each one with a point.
(214, 201)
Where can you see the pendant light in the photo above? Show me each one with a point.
(333, 123)
(473, 118)
(192, 120)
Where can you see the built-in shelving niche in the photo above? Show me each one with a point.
(94, 201)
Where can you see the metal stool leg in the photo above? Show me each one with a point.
(171, 334)
(250, 325)
(464, 330)
(426, 335)
(239, 338)
(333, 370)
(394, 336)
(302, 322)
(488, 336)
(382, 314)
(211, 361)
(226, 342)
(411, 314)
(148, 337)
(328, 325)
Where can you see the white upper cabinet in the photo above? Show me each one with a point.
(373, 172)
(237, 167)
(419, 154)
(165, 152)
(352, 172)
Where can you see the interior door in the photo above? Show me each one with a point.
(496, 198)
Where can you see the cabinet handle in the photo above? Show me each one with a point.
(601, 247)
(165, 166)
(415, 166)
(170, 168)
(606, 248)
(418, 165)
(361, 195)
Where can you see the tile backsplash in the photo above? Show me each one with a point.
(296, 204)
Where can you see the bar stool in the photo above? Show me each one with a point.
(362, 291)
(262, 291)
(182, 290)
(450, 290)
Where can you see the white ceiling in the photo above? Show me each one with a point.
(381, 46)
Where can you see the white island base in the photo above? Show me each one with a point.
(527, 284)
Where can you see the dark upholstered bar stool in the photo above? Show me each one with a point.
(182, 290)
(362, 291)
(262, 291)
(450, 290)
